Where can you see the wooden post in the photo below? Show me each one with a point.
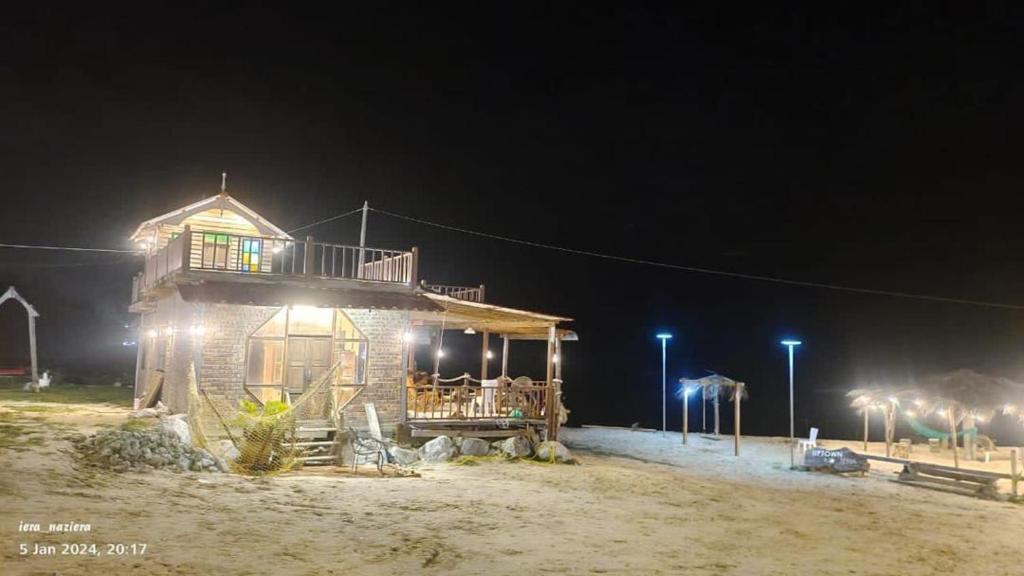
(969, 442)
(483, 354)
(890, 414)
(552, 401)
(307, 259)
(414, 272)
(437, 356)
(482, 292)
(952, 435)
(32, 347)
(558, 365)
(186, 248)
(703, 411)
(738, 399)
(867, 411)
(717, 393)
(686, 413)
(504, 355)
(1013, 471)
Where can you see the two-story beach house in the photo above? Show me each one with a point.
(256, 314)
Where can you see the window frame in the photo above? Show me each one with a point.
(335, 341)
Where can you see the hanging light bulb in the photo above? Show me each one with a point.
(490, 355)
(469, 330)
(440, 353)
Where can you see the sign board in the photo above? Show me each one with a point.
(841, 460)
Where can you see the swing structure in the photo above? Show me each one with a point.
(12, 294)
(713, 387)
(962, 398)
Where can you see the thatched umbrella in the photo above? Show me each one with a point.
(886, 399)
(964, 396)
(713, 387)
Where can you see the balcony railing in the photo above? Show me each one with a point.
(472, 401)
(469, 293)
(274, 257)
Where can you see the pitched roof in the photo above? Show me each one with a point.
(222, 201)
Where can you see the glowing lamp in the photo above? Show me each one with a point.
(469, 330)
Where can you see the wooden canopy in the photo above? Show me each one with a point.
(458, 314)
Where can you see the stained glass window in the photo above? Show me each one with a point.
(251, 251)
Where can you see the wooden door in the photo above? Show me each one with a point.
(308, 358)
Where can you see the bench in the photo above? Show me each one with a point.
(974, 482)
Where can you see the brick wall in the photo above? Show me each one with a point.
(226, 329)
(220, 354)
(384, 376)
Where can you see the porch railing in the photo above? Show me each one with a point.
(469, 293)
(469, 400)
(265, 256)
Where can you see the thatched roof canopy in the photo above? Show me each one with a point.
(714, 385)
(967, 392)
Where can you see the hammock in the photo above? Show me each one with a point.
(929, 432)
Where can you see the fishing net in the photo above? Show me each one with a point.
(271, 436)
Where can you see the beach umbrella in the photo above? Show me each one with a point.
(964, 396)
(886, 399)
(713, 387)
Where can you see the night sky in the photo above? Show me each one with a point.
(871, 147)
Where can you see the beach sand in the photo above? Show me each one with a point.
(638, 503)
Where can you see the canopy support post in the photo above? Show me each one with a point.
(686, 413)
(485, 348)
(504, 355)
(738, 399)
(952, 436)
(867, 411)
(552, 399)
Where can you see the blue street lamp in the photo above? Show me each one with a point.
(792, 441)
(664, 337)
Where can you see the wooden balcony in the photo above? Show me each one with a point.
(468, 293)
(270, 258)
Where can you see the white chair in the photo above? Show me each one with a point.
(805, 444)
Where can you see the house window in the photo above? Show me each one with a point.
(298, 345)
(215, 250)
(251, 251)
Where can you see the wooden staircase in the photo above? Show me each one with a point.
(317, 441)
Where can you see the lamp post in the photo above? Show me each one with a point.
(664, 337)
(790, 344)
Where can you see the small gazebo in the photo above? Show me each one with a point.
(713, 387)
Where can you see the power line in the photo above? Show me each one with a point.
(325, 220)
(67, 248)
(711, 271)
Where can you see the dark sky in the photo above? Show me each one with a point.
(874, 147)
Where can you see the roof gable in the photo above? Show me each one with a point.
(221, 201)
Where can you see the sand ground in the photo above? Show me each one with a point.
(638, 504)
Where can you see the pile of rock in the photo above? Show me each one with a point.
(141, 450)
(443, 449)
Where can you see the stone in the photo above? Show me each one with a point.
(554, 451)
(177, 425)
(440, 449)
(474, 447)
(227, 451)
(404, 456)
(515, 447)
